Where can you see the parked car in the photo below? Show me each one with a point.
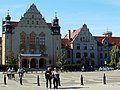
(87, 68)
(106, 68)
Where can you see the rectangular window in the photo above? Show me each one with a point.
(92, 47)
(57, 48)
(105, 55)
(101, 55)
(42, 40)
(78, 47)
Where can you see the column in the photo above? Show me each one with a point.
(29, 63)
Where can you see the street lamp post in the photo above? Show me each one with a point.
(19, 60)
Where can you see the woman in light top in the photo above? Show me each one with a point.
(56, 77)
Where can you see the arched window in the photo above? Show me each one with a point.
(22, 38)
(42, 38)
(78, 55)
(22, 42)
(42, 42)
(32, 42)
(32, 38)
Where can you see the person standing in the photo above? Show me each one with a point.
(56, 78)
(48, 76)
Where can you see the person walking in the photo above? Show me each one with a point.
(9, 73)
(12, 73)
(56, 78)
(48, 77)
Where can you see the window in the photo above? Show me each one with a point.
(101, 55)
(22, 38)
(27, 22)
(78, 47)
(92, 55)
(105, 55)
(37, 22)
(92, 47)
(32, 22)
(32, 38)
(85, 47)
(78, 55)
(42, 39)
(32, 16)
(57, 48)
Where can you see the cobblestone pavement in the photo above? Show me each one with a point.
(69, 80)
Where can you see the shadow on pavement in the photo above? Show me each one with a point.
(71, 87)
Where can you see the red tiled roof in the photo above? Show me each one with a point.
(13, 23)
(73, 34)
(111, 40)
(65, 42)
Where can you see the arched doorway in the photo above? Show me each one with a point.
(24, 63)
(42, 63)
(33, 63)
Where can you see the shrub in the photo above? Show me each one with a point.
(72, 67)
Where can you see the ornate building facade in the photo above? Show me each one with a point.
(35, 42)
(82, 47)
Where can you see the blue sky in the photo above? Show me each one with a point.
(99, 15)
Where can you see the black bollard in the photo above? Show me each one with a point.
(5, 79)
(20, 80)
(38, 83)
(82, 80)
(104, 79)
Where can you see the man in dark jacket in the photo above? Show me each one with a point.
(48, 76)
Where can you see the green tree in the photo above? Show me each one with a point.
(61, 59)
(114, 55)
(13, 60)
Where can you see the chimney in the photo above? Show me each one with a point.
(69, 33)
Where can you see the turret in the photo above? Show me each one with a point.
(55, 26)
(7, 27)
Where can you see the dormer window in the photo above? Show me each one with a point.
(105, 42)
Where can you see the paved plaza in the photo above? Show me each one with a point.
(69, 80)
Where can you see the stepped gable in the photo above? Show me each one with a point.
(32, 18)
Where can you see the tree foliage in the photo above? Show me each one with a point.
(12, 60)
(114, 55)
(61, 59)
